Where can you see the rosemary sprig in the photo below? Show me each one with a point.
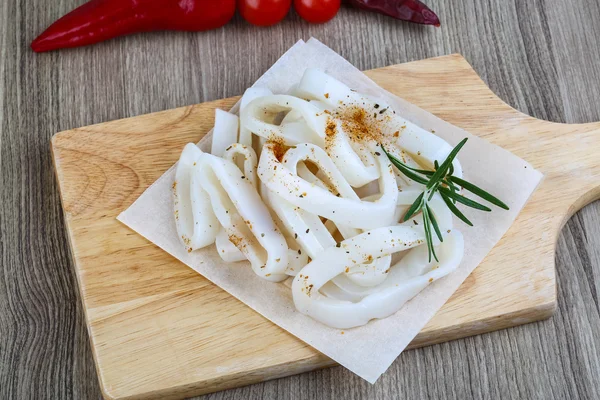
(441, 180)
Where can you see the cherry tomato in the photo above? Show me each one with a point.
(317, 11)
(264, 12)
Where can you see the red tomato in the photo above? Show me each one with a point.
(264, 12)
(317, 11)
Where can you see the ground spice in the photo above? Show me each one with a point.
(330, 129)
(237, 241)
(279, 147)
(360, 125)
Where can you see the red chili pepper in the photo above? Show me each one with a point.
(99, 20)
(406, 10)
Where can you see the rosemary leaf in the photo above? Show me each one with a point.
(428, 235)
(409, 173)
(478, 191)
(406, 170)
(420, 171)
(415, 207)
(433, 189)
(464, 200)
(441, 172)
(455, 210)
(455, 190)
(451, 186)
(434, 223)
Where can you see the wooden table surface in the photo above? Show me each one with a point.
(540, 56)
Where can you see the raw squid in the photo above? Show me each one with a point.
(197, 225)
(299, 186)
(419, 143)
(344, 210)
(413, 274)
(234, 201)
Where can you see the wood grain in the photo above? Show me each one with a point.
(539, 56)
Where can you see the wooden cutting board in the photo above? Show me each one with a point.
(159, 330)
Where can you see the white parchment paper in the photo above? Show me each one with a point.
(369, 350)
